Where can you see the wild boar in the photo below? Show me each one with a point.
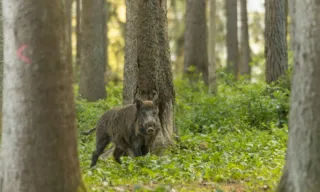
(132, 128)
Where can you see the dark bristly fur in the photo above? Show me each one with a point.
(132, 128)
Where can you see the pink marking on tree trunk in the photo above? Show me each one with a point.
(21, 56)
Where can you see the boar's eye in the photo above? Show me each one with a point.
(154, 112)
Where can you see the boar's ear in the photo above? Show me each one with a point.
(155, 98)
(139, 103)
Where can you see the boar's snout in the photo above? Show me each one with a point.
(150, 130)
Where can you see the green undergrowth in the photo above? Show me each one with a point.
(237, 106)
(237, 137)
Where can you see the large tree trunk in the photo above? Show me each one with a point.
(147, 64)
(39, 138)
(301, 172)
(213, 87)
(232, 38)
(195, 41)
(275, 40)
(245, 46)
(93, 49)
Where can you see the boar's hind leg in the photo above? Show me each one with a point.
(101, 143)
(117, 153)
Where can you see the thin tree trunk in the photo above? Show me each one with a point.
(176, 35)
(232, 38)
(195, 41)
(213, 87)
(176, 24)
(78, 31)
(245, 46)
(287, 14)
(301, 171)
(93, 49)
(275, 40)
(147, 64)
(105, 16)
(39, 138)
(68, 7)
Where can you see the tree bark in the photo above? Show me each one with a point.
(147, 64)
(245, 46)
(213, 87)
(275, 40)
(301, 171)
(39, 138)
(232, 38)
(195, 40)
(93, 49)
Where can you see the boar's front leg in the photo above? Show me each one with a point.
(117, 153)
(137, 149)
(145, 149)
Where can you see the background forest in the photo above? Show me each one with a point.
(222, 69)
(176, 27)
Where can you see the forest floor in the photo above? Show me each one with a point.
(191, 187)
(248, 161)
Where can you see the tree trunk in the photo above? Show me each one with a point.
(195, 41)
(275, 40)
(93, 49)
(147, 64)
(301, 171)
(284, 184)
(177, 34)
(39, 137)
(213, 87)
(177, 23)
(245, 46)
(105, 16)
(232, 38)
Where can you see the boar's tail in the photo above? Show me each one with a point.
(88, 132)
